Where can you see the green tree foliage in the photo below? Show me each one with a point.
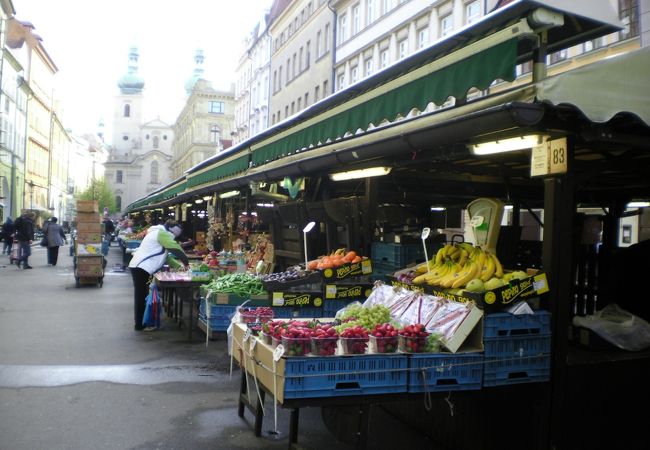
(98, 190)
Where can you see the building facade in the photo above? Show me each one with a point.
(252, 87)
(203, 128)
(301, 56)
(13, 122)
(140, 156)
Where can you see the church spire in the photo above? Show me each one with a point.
(131, 82)
(198, 71)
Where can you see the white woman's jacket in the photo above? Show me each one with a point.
(152, 252)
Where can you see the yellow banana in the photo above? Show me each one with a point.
(440, 256)
(488, 269)
(424, 267)
(466, 275)
(454, 254)
(498, 268)
(463, 257)
(448, 249)
(449, 279)
(437, 274)
(479, 257)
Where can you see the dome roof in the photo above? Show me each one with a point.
(131, 82)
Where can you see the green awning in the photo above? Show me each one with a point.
(175, 190)
(219, 171)
(478, 70)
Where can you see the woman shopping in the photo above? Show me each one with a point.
(55, 236)
(149, 258)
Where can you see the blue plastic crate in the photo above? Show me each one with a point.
(395, 255)
(379, 271)
(290, 312)
(331, 306)
(220, 316)
(445, 372)
(345, 375)
(506, 324)
(514, 360)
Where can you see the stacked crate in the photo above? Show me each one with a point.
(389, 258)
(517, 348)
(89, 231)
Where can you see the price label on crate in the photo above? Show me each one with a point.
(278, 352)
(247, 334)
(278, 299)
(252, 345)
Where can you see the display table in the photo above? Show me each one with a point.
(174, 295)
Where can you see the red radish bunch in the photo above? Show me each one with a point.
(323, 340)
(384, 337)
(260, 314)
(355, 340)
(413, 338)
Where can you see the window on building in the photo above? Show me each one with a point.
(273, 118)
(301, 65)
(156, 141)
(356, 19)
(446, 25)
(119, 176)
(275, 81)
(354, 75)
(294, 70)
(127, 110)
(385, 6)
(423, 37)
(154, 172)
(325, 88)
(216, 107)
(403, 49)
(215, 134)
(327, 38)
(289, 74)
(316, 93)
(293, 108)
(307, 54)
(118, 202)
(522, 69)
(343, 28)
(558, 56)
(370, 11)
(286, 111)
(472, 12)
(299, 103)
(319, 38)
(384, 58)
(370, 67)
(340, 82)
(628, 12)
(279, 78)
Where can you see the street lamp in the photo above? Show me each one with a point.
(31, 194)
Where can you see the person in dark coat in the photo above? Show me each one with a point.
(55, 238)
(24, 226)
(7, 234)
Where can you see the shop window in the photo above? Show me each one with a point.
(628, 11)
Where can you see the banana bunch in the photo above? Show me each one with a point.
(455, 265)
(339, 252)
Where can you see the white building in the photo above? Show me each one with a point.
(252, 86)
(141, 151)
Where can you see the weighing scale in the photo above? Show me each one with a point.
(485, 215)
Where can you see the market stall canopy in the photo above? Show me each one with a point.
(604, 89)
(473, 57)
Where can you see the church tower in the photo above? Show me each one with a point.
(127, 117)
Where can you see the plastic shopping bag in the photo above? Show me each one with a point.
(618, 326)
(152, 311)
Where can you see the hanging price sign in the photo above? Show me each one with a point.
(549, 158)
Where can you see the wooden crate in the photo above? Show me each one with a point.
(89, 227)
(89, 260)
(89, 238)
(90, 206)
(88, 217)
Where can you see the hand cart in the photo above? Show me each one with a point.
(89, 269)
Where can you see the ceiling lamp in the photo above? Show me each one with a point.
(508, 144)
(362, 173)
(229, 194)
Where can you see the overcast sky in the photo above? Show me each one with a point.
(89, 42)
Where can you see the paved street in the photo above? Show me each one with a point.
(75, 375)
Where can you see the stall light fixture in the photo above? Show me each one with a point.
(508, 207)
(207, 198)
(170, 207)
(198, 201)
(638, 205)
(265, 205)
(229, 194)
(508, 144)
(438, 208)
(362, 173)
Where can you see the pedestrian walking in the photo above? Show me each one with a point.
(149, 258)
(7, 234)
(55, 237)
(24, 233)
